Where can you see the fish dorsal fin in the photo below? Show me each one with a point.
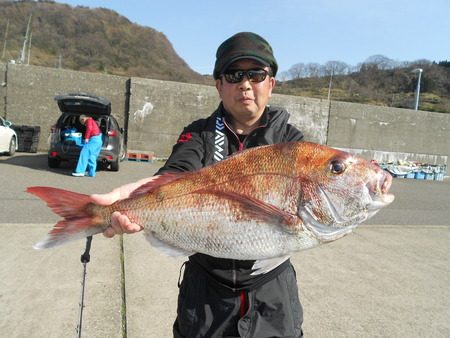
(265, 265)
(260, 210)
(157, 182)
(165, 248)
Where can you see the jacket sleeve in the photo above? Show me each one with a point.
(292, 134)
(89, 130)
(188, 153)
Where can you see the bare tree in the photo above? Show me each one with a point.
(313, 69)
(297, 71)
(382, 61)
(336, 68)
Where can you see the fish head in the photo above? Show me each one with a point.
(339, 191)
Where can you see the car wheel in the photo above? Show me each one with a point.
(115, 165)
(102, 165)
(53, 162)
(12, 147)
(123, 153)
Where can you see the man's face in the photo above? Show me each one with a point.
(245, 100)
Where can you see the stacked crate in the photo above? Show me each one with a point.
(27, 138)
(140, 156)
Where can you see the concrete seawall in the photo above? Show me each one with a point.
(158, 110)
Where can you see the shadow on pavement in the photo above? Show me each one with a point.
(36, 161)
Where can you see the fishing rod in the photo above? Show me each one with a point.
(85, 258)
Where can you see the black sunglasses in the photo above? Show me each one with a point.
(253, 75)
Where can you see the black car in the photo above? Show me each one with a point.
(67, 134)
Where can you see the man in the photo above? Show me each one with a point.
(219, 297)
(91, 148)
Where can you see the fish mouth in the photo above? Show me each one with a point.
(380, 201)
(378, 190)
(381, 184)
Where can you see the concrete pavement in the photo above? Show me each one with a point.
(381, 281)
(387, 279)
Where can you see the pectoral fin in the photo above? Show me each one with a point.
(260, 210)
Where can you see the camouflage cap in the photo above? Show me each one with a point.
(244, 45)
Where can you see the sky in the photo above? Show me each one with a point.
(298, 30)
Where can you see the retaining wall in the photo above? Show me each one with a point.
(388, 134)
(158, 110)
(31, 90)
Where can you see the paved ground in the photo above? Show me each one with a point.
(390, 278)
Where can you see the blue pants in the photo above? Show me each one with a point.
(88, 156)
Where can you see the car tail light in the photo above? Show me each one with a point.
(109, 157)
(53, 154)
(112, 133)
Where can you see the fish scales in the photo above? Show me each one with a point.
(195, 218)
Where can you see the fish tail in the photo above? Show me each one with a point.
(81, 217)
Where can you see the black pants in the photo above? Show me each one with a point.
(206, 309)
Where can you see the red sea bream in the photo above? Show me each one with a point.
(263, 203)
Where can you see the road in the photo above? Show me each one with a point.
(418, 202)
(389, 278)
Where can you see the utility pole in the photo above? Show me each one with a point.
(419, 70)
(331, 81)
(6, 37)
(329, 103)
(25, 42)
(29, 49)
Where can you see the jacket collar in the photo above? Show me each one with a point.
(263, 122)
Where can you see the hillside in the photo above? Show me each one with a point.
(93, 40)
(386, 87)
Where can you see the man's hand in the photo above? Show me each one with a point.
(120, 223)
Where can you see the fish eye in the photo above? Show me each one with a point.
(337, 167)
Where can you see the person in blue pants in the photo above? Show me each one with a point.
(91, 148)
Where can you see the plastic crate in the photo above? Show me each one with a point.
(439, 176)
(429, 176)
(140, 157)
(27, 137)
(72, 136)
(419, 175)
(411, 174)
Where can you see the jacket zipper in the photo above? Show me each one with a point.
(243, 306)
(241, 144)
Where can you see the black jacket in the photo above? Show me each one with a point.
(206, 141)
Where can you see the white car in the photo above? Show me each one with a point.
(8, 138)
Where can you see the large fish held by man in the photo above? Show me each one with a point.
(261, 204)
